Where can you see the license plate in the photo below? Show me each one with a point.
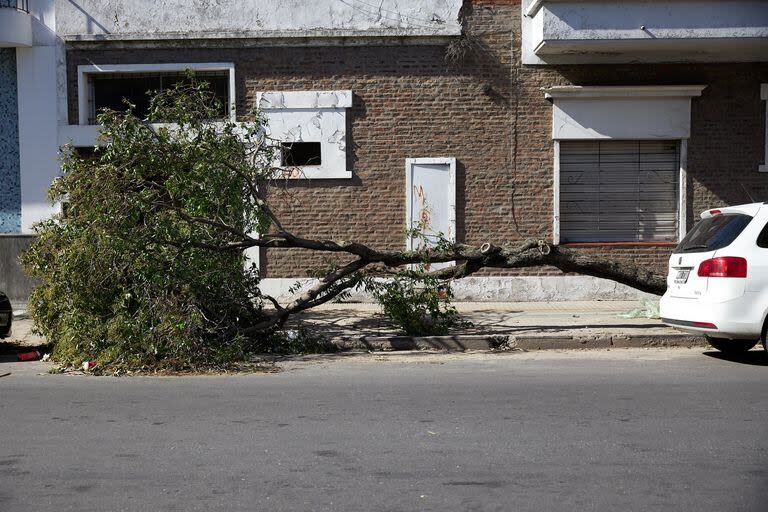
(4, 317)
(682, 276)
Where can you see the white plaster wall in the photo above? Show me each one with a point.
(576, 20)
(126, 19)
(15, 29)
(621, 118)
(39, 73)
(38, 131)
(495, 289)
(579, 31)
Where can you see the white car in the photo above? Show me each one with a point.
(718, 278)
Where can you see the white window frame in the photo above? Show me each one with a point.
(682, 215)
(409, 163)
(310, 116)
(599, 113)
(84, 72)
(764, 97)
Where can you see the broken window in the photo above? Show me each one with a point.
(297, 154)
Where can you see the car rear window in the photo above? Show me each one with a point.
(714, 233)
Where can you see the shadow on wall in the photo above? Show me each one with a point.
(90, 20)
(13, 281)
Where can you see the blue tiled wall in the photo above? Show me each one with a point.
(10, 179)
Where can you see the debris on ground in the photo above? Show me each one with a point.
(28, 356)
(650, 309)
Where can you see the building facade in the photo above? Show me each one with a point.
(603, 125)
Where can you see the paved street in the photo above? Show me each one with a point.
(600, 430)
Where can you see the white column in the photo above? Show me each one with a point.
(38, 131)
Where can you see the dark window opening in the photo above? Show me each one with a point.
(110, 90)
(714, 233)
(296, 154)
(85, 152)
(762, 240)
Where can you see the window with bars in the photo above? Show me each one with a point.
(108, 90)
(619, 191)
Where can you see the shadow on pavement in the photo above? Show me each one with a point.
(9, 351)
(753, 357)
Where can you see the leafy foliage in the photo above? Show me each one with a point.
(420, 304)
(122, 283)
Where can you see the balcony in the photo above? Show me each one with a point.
(593, 31)
(15, 24)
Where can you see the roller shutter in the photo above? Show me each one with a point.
(619, 191)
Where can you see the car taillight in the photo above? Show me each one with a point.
(726, 266)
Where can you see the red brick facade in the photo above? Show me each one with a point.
(486, 110)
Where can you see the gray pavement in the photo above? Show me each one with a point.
(525, 325)
(628, 429)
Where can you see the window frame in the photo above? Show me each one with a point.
(321, 116)
(85, 89)
(681, 199)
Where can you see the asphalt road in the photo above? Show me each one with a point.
(620, 430)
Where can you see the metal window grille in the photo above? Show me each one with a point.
(22, 5)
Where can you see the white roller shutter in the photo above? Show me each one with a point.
(619, 191)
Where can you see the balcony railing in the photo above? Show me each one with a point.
(22, 5)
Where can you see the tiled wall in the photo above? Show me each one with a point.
(10, 186)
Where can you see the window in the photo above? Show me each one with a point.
(714, 233)
(109, 90)
(105, 85)
(762, 240)
(296, 154)
(310, 130)
(619, 191)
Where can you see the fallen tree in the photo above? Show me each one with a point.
(147, 264)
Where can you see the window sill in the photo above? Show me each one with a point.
(313, 173)
(619, 244)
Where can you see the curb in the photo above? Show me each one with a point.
(461, 343)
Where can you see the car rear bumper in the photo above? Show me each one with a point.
(736, 319)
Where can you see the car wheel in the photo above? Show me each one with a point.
(727, 346)
(764, 336)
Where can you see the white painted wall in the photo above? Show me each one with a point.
(127, 19)
(15, 29)
(39, 73)
(491, 289)
(579, 31)
(631, 112)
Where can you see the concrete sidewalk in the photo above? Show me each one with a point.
(507, 325)
(504, 325)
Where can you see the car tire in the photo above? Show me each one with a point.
(727, 346)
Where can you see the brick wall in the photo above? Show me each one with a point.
(487, 111)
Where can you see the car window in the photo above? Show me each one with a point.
(762, 240)
(714, 233)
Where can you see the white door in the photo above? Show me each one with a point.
(431, 202)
